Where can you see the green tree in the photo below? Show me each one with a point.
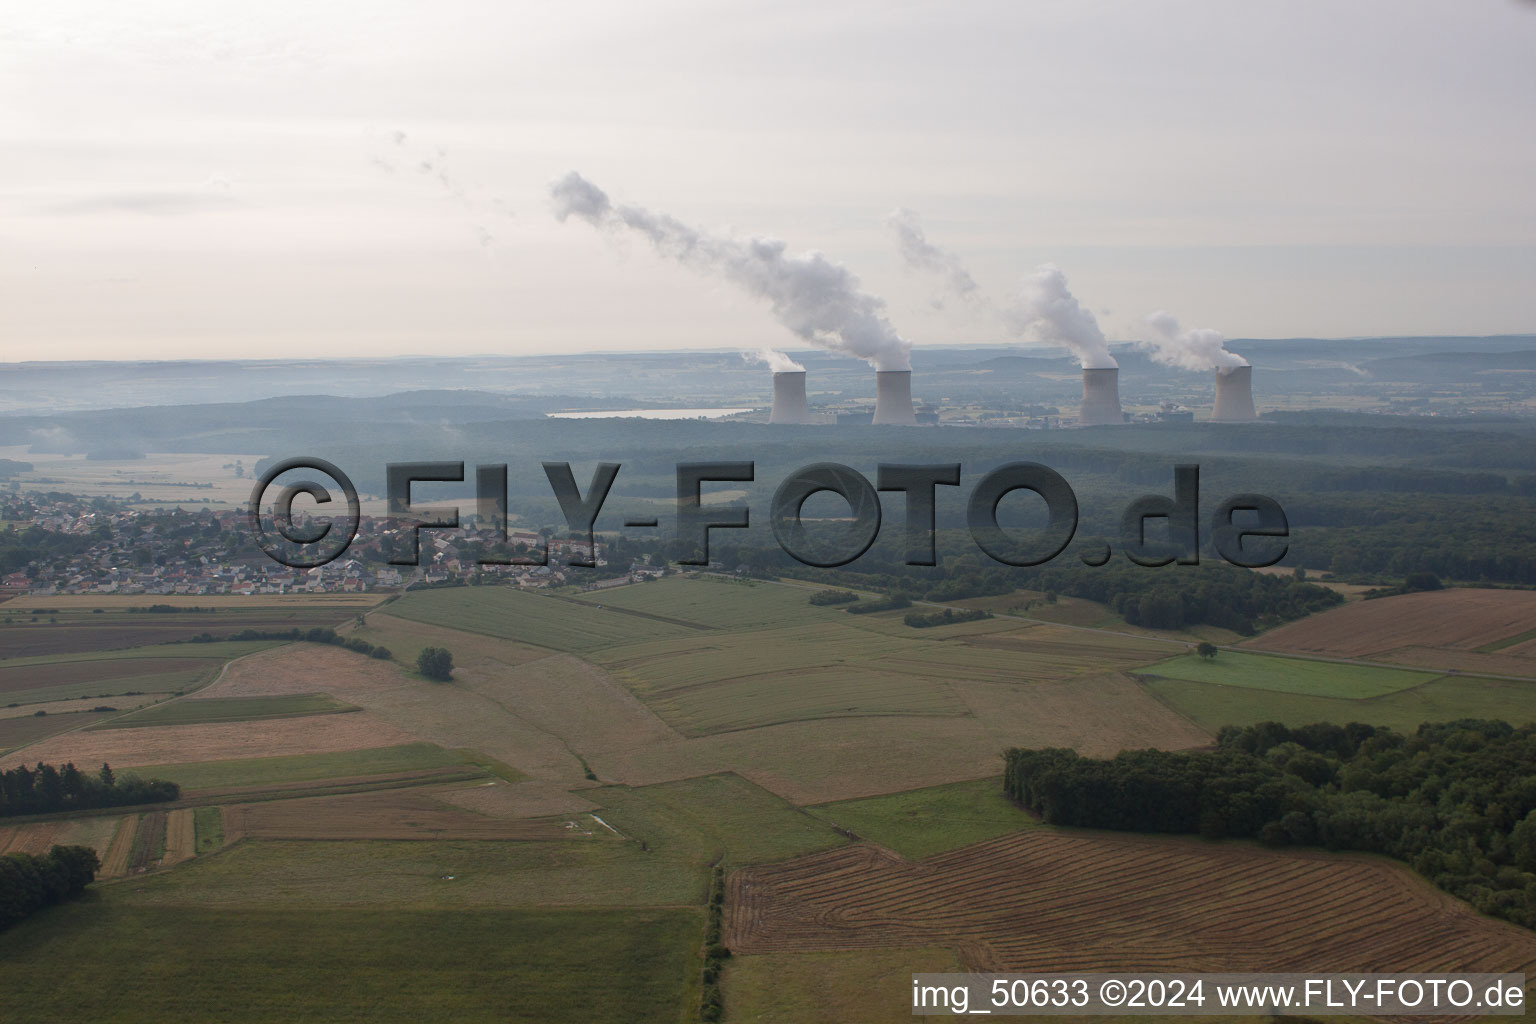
(435, 663)
(1206, 650)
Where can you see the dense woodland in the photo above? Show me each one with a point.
(1456, 800)
(29, 883)
(46, 788)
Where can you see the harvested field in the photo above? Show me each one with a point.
(35, 838)
(94, 832)
(115, 862)
(1410, 626)
(1042, 900)
(180, 837)
(540, 620)
(76, 632)
(392, 814)
(174, 744)
(814, 762)
(66, 707)
(275, 771)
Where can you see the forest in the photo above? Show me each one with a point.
(47, 788)
(1456, 800)
(29, 883)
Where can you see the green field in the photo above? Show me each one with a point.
(866, 986)
(715, 603)
(1290, 675)
(262, 964)
(208, 826)
(1445, 699)
(266, 771)
(537, 619)
(714, 816)
(230, 709)
(922, 822)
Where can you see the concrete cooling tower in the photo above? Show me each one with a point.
(1234, 396)
(893, 398)
(1101, 398)
(789, 404)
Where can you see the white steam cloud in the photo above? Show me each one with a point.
(1199, 348)
(921, 254)
(776, 361)
(1044, 310)
(1047, 311)
(820, 301)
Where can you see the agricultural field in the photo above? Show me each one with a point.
(543, 620)
(171, 744)
(32, 627)
(170, 668)
(193, 711)
(922, 822)
(283, 961)
(1470, 630)
(1289, 675)
(865, 986)
(1048, 900)
(1443, 699)
(260, 771)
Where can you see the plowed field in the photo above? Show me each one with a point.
(1041, 900)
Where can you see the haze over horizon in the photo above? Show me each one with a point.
(350, 181)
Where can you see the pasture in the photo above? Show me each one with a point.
(1289, 675)
(1443, 699)
(922, 822)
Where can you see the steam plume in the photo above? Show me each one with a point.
(817, 299)
(777, 361)
(1196, 349)
(921, 254)
(1047, 311)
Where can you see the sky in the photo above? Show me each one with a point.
(285, 179)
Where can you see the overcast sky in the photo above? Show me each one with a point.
(290, 178)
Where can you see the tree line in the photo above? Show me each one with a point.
(1456, 800)
(46, 788)
(29, 883)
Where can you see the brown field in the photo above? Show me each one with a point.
(1434, 629)
(17, 733)
(180, 840)
(150, 834)
(34, 839)
(114, 863)
(95, 832)
(393, 814)
(1042, 900)
(178, 744)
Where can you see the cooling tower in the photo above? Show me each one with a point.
(789, 398)
(1101, 398)
(1234, 396)
(893, 398)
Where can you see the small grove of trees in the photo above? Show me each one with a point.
(435, 663)
(881, 604)
(46, 788)
(1457, 800)
(1206, 650)
(824, 597)
(919, 620)
(29, 883)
